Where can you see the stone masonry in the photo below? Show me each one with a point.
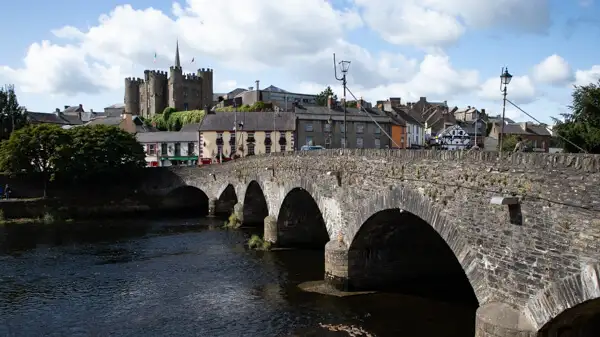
(523, 274)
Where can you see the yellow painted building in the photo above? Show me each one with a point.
(225, 135)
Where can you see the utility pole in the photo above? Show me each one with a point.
(344, 66)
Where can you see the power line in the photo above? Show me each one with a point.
(559, 136)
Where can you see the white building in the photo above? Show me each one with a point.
(169, 148)
(453, 138)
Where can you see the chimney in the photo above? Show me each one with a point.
(80, 106)
(57, 111)
(395, 101)
(523, 126)
(66, 107)
(257, 91)
(359, 103)
(423, 99)
(92, 110)
(330, 102)
(127, 123)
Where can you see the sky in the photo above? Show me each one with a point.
(79, 52)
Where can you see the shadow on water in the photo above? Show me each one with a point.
(187, 277)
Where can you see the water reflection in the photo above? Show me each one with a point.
(180, 278)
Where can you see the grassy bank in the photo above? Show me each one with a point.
(47, 219)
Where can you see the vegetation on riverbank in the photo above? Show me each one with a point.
(233, 222)
(258, 243)
(47, 219)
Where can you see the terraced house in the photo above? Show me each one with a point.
(169, 148)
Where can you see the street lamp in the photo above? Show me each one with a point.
(344, 67)
(329, 122)
(505, 78)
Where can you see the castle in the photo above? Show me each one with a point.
(152, 94)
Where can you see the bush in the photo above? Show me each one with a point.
(257, 243)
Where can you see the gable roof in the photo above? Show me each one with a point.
(167, 137)
(52, 118)
(253, 121)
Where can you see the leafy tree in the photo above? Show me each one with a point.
(78, 154)
(41, 148)
(582, 126)
(258, 106)
(104, 150)
(508, 143)
(12, 116)
(352, 104)
(324, 95)
(175, 120)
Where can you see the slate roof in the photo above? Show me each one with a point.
(116, 106)
(140, 127)
(315, 112)
(404, 114)
(194, 127)
(167, 137)
(52, 118)
(517, 129)
(253, 121)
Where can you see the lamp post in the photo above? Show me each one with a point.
(505, 78)
(344, 67)
(329, 122)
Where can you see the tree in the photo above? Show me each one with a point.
(42, 148)
(324, 95)
(509, 142)
(103, 150)
(12, 116)
(86, 153)
(581, 127)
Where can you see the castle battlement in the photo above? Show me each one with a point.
(192, 77)
(157, 74)
(205, 70)
(133, 81)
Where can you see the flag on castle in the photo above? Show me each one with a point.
(154, 57)
(193, 59)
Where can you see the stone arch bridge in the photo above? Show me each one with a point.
(520, 235)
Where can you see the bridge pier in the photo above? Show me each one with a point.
(336, 265)
(501, 320)
(212, 207)
(238, 212)
(270, 230)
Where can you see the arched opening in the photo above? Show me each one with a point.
(300, 222)
(582, 320)
(255, 205)
(396, 250)
(227, 200)
(186, 201)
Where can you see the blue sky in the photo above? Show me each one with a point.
(445, 50)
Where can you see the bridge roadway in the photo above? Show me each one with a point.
(520, 235)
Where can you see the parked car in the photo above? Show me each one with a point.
(311, 147)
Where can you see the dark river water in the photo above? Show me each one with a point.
(187, 278)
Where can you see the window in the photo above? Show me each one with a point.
(191, 148)
(268, 142)
(308, 127)
(378, 142)
(343, 142)
(359, 143)
(327, 127)
(151, 149)
(342, 127)
(250, 149)
(163, 149)
(328, 142)
(267, 148)
(378, 130)
(177, 149)
(309, 140)
(250, 138)
(360, 128)
(282, 148)
(185, 106)
(543, 145)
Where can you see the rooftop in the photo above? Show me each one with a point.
(252, 121)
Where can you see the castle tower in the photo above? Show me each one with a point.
(176, 83)
(207, 86)
(132, 95)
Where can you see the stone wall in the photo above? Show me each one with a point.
(521, 265)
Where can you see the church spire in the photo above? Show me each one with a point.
(177, 61)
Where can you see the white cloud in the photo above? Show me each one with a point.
(426, 23)
(585, 77)
(520, 90)
(249, 39)
(553, 70)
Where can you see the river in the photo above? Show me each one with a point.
(187, 277)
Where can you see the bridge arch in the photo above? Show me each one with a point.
(569, 307)
(186, 198)
(256, 208)
(399, 239)
(226, 200)
(300, 222)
